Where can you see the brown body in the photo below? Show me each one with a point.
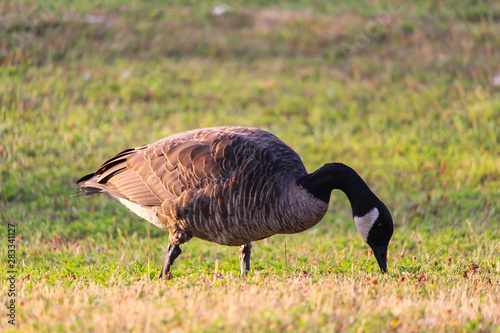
(228, 185)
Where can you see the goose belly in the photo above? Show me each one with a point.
(235, 234)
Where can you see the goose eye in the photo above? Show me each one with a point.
(380, 226)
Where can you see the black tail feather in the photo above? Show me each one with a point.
(86, 177)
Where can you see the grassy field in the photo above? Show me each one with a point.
(407, 93)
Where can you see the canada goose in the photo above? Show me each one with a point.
(232, 186)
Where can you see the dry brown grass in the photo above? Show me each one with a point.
(297, 303)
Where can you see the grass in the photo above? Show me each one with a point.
(402, 92)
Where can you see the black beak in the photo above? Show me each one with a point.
(380, 253)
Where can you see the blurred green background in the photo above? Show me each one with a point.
(403, 92)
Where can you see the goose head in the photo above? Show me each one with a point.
(376, 228)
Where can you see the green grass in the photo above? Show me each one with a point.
(402, 93)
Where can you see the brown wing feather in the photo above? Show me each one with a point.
(201, 180)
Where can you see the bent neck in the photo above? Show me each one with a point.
(333, 176)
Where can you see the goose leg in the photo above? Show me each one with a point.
(245, 251)
(173, 251)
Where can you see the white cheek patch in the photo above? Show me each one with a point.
(365, 223)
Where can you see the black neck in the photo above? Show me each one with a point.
(333, 176)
